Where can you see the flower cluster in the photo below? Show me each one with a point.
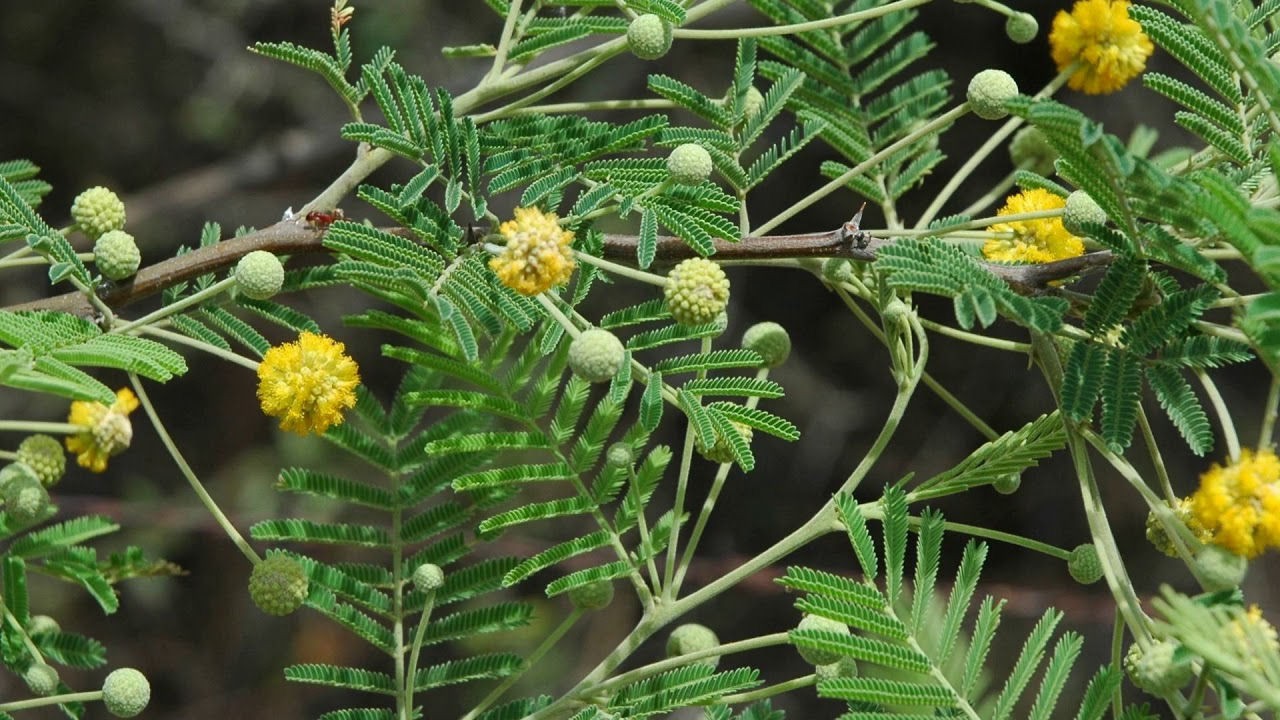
(1238, 506)
(107, 430)
(308, 383)
(537, 256)
(1106, 46)
(1032, 241)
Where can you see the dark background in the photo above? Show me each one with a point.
(159, 100)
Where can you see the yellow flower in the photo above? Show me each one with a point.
(1109, 46)
(1032, 241)
(1238, 506)
(537, 256)
(107, 430)
(1251, 634)
(308, 383)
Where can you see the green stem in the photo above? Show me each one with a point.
(531, 661)
(205, 498)
(839, 182)
(671, 663)
(180, 339)
(35, 426)
(622, 270)
(976, 339)
(996, 192)
(90, 696)
(769, 691)
(793, 28)
(592, 106)
(416, 649)
(1023, 542)
(1224, 415)
(1266, 433)
(504, 42)
(178, 306)
(1153, 449)
(404, 698)
(956, 181)
(677, 508)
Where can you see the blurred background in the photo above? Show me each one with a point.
(159, 100)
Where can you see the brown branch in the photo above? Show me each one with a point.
(297, 236)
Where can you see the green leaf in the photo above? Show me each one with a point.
(347, 678)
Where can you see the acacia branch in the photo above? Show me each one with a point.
(298, 237)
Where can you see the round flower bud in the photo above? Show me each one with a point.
(1084, 565)
(814, 656)
(1154, 670)
(753, 103)
(722, 451)
(42, 625)
(1079, 210)
(770, 341)
(428, 577)
(113, 434)
(26, 502)
(843, 668)
(697, 291)
(689, 164)
(259, 275)
(649, 37)
(690, 638)
(278, 584)
(1008, 484)
(45, 456)
(592, 596)
(126, 692)
(1031, 150)
(41, 679)
(838, 270)
(619, 455)
(1220, 569)
(116, 255)
(596, 355)
(97, 211)
(1021, 27)
(988, 91)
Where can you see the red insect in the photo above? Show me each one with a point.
(323, 220)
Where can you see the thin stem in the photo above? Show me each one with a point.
(793, 28)
(839, 182)
(591, 106)
(677, 508)
(531, 661)
(769, 691)
(996, 192)
(961, 409)
(90, 696)
(621, 270)
(671, 663)
(1266, 433)
(416, 649)
(403, 684)
(36, 426)
(1153, 449)
(976, 339)
(1224, 415)
(1019, 540)
(205, 498)
(957, 180)
(504, 43)
(177, 307)
(180, 339)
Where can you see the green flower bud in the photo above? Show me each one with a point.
(1084, 565)
(1079, 210)
(42, 625)
(592, 596)
(690, 638)
(26, 502)
(596, 355)
(697, 290)
(41, 679)
(126, 692)
(753, 103)
(259, 275)
(770, 341)
(843, 668)
(116, 255)
(649, 37)
(619, 455)
(428, 577)
(838, 270)
(814, 656)
(988, 91)
(1021, 27)
(689, 164)
(278, 584)
(1007, 484)
(896, 312)
(97, 211)
(1220, 569)
(722, 451)
(45, 456)
(1154, 670)
(1031, 150)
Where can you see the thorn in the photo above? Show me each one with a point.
(288, 214)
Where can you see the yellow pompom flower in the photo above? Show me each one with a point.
(1109, 46)
(107, 430)
(1031, 241)
(537, 256)
(1238, 506)
(308, 383)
